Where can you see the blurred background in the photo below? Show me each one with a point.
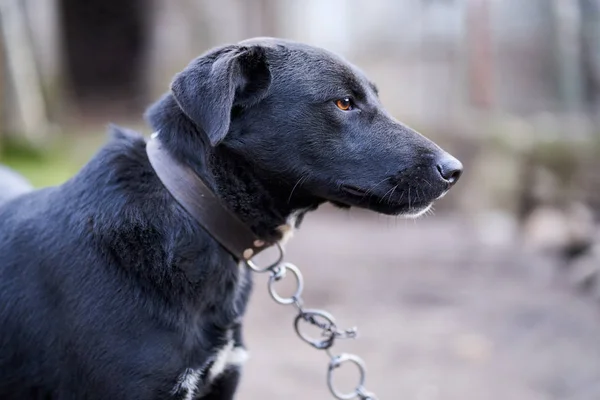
(496, 296)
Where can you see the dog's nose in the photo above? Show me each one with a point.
(450, 169)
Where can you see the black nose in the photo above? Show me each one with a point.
(450, 169)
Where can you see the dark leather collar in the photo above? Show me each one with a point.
(202, 204)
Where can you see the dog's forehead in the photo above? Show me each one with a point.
(313, 64)
(308, 52)
(275, 43)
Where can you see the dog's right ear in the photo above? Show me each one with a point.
(211, 85)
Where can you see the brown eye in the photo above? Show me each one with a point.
(344, 104)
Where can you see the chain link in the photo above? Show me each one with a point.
(320, 319)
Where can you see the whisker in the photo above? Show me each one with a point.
(383, 197)
(303, 177)
(370, 190)
(391, 194)
(401, 196)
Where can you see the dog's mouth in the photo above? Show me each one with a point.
(353, 190)
(395, 201)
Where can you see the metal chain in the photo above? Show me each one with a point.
(318, 318)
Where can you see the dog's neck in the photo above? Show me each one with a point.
(266, 209)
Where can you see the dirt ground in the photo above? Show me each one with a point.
(440, 315)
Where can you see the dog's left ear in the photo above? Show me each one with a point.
(211, 85)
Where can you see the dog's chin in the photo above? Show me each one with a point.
(417, 212)
(382, 203)
(401, 210)
(411, 211)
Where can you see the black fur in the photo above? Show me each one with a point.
(109, 290)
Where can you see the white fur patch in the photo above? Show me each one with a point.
(238, 356)
(419, 213)
(188, 383)
(286, 233)
(228, 356)
(288, 229)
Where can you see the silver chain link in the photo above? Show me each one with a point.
(323, 320)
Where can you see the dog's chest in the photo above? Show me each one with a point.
(194, 381)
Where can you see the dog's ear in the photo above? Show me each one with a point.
(211, 85)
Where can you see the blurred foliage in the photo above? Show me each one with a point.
(565, 158)
(55, 163)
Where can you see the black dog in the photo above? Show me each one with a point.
(110, 290)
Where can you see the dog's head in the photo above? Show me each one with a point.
(312, 123)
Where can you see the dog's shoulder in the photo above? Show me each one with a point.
(125, 148)
(124, 154)
(96, 194)
(119, 170)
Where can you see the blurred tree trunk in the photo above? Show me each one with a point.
(104, 49)
(3, 89)
(22, 70)
(566, 27)
(480, 54)
(260, 17)
(590, 52)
